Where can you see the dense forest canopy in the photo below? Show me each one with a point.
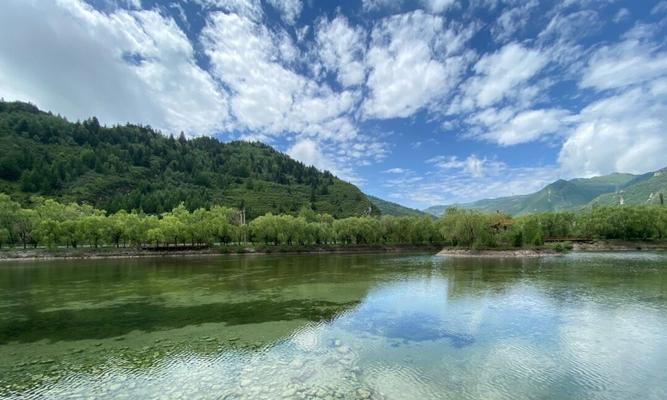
(134, 167)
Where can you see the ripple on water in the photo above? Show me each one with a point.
(574, 330)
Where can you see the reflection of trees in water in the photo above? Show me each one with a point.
(560, 278)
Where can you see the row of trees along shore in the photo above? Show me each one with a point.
(51, 224)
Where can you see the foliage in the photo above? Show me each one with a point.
(645, 189)
(136, 168)
(52, 224)
(396, 210)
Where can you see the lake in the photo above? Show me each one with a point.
(374, 326)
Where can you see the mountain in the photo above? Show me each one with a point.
(644, 189)
(574, 194)
(135, 167)
(396, 210)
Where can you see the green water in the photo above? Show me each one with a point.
(336, 327)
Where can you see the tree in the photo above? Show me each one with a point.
(8, 214)
(4, 236)
(24, 224)
(94, 228)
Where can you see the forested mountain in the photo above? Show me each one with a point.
(135, 167)
(394, 209)
(643, 189)
(574, 194)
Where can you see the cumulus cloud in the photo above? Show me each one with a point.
(500, 73)
(512, 21)
(289, 9)
(121, 66)
(507, 127)
(248, 8)
(312, 152)
(471, 165)
(625, 132)
(266, 94)
(341, 48)
(438, 6)
(434, 6)
(634, 60)
(395, 170)
(405, 74)
(308, 152)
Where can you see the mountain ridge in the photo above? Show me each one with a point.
(575, 194)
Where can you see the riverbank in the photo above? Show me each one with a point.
(558, 249)
(127, 252)
(491, 253)
(548, 250)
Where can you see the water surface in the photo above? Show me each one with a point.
(590, 326)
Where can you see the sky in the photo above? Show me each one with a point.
(419, 102)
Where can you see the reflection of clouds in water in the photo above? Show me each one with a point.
(412, 310)
(410, 339)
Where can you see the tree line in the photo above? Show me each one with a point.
(51, 224)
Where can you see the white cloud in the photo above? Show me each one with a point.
(311, 152)
(621, 133)
(621, 15)
(624, 131)
(508, 128)
(464, 180)
(341, 48)
(374, 5)
(659, 8)
(500, 73)
(121, 66)
(405, 75)
(434, 6)
(472, 165)
(289, 9)
(266, 94)
(308, 152)
(512, 21)
(571, 27)
(438, 6)
(631, 61)
(395, 171)
(248, 8)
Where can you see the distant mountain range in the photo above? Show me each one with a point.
(575, 194)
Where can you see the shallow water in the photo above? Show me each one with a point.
(583, 326)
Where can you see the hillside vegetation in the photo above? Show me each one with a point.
(135, 167)
(394, 209)
(644, 189)
(576, 194)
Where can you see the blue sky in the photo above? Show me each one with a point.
(420, 102)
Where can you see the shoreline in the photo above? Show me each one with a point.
(42, 254)
(489, 253)
(555, 249)
(125, 253)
